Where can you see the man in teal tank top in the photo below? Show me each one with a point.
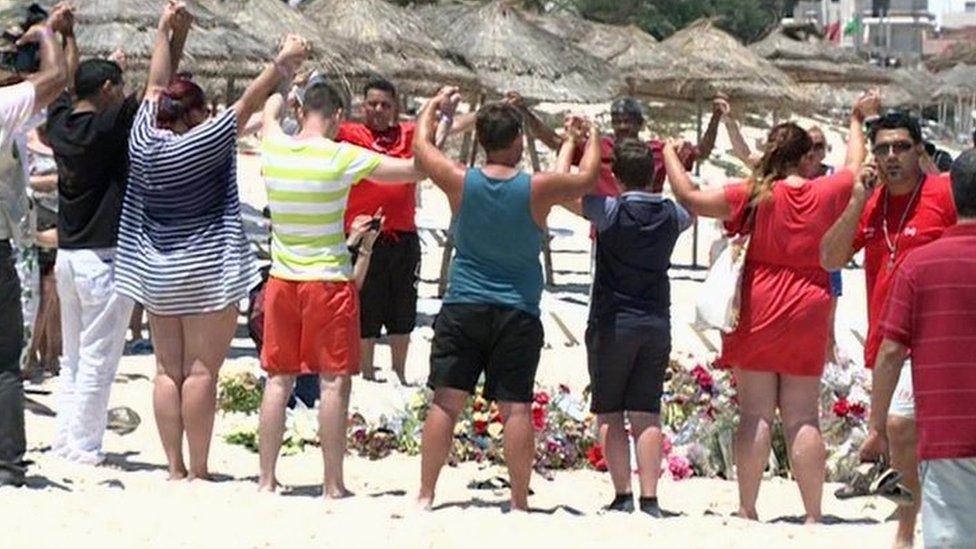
(489, 322)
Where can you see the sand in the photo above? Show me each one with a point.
(130, 504)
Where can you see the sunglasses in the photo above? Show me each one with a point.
(819, 146)
(898, 147)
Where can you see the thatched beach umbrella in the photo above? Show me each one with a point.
(269, 20)
(509, 52)
(637, 57)
(394, 40)
(217, 51)
(815, 61)
(958, 89)
(725, 65)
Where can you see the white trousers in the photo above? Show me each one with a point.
(94, 319)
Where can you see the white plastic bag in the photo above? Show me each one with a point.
(720, 295)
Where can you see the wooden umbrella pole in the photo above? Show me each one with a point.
(536, 168)
(469, 152)
(694, 230)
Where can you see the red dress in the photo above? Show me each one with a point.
(784, 320)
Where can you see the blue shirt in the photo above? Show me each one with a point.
(498, 244)
(636, 233)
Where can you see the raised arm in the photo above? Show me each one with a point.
(837, 245)
(161, 64)
(868, 105)
(740, 149)
(540, 130)
(707, 143)
(706, 203)
(564, 161)
(271, 115)
(293, 52)
(50, 80)
(549, 189)
(447, 175)
(70, 50)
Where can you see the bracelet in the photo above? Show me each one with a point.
(47, 32)
(447, 119)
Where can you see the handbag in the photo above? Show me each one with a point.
(720, 297)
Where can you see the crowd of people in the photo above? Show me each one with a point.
(148, 214)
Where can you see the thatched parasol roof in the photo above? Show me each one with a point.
(269, 20)
(217, 47)
(813, 60)
(725, 65)
(961, 76)
(509, 52)
(645, 65)
(394, 40)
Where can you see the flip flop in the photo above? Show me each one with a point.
(123, 420)
(870, 479)
(898, 494)
(495, 483)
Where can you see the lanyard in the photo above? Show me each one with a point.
(892, 243)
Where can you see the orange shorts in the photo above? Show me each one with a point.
(310, 328)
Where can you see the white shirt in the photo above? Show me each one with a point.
(16, 107)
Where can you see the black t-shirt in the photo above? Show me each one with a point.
(91, 150)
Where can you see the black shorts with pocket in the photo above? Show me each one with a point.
(502, 342)
(627, 364)
(389, 294)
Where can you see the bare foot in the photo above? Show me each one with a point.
(424, 504)
(204, 476)
(745, 514)
(177, 474)
(904, 544)
(813, 520)
(269, 486)
(337, 493)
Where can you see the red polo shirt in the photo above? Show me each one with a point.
(932, 211)
(932, 311)
(607, 184)
(399, 201)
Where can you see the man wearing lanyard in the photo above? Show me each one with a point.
(908, 209)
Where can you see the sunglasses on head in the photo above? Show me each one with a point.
(898, 147)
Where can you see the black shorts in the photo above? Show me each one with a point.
(627, 367)
(389, 295)
(503, 342)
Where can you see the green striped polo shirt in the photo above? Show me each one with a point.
(308, 183)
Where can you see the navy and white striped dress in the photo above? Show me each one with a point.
(182, 248)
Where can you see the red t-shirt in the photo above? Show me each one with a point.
(932, 212)
(607, 184)
(784, 316)
(399, 202)
(932, 311)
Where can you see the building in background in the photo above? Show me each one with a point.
(890, 31)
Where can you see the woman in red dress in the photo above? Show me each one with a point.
(779, 348)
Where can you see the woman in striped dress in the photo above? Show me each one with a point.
(182, 251)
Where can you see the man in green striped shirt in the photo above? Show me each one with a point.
(311, 302)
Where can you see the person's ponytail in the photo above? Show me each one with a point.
(786, 145)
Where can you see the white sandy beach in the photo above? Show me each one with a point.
(130, 504)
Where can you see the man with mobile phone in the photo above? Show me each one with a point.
(21, 97)
(894, 208)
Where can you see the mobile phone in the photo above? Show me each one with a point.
(374, 224)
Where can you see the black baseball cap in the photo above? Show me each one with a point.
(627, 107)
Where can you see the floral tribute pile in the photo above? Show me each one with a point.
(699, 416)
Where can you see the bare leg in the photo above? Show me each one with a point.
(167, 333)
(901, 444)
(799, 405)
(206, 339)
(437, 438)
(366, 365)
(135, 322)
(645, 428)
(757, 404)
(333, 416)
(399, 346)
(519, 450)
(616, 451)
(271, 428)
(52, 326)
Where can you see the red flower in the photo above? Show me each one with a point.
(496, 418)
(842, 408)
(704, 379)
(595, 456)
(539, 418)
(542, 398)
(666, 446)
(858, 410)
(480, 427)
(478, 405)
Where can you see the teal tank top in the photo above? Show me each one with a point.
(497, 243)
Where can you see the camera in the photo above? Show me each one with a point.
(25, 58)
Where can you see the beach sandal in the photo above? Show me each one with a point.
(123, 420)
(898, 494)
(495, 483)
(870, 479)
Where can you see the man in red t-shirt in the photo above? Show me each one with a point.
(389, 294)
(907, 210)
(932, 312)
